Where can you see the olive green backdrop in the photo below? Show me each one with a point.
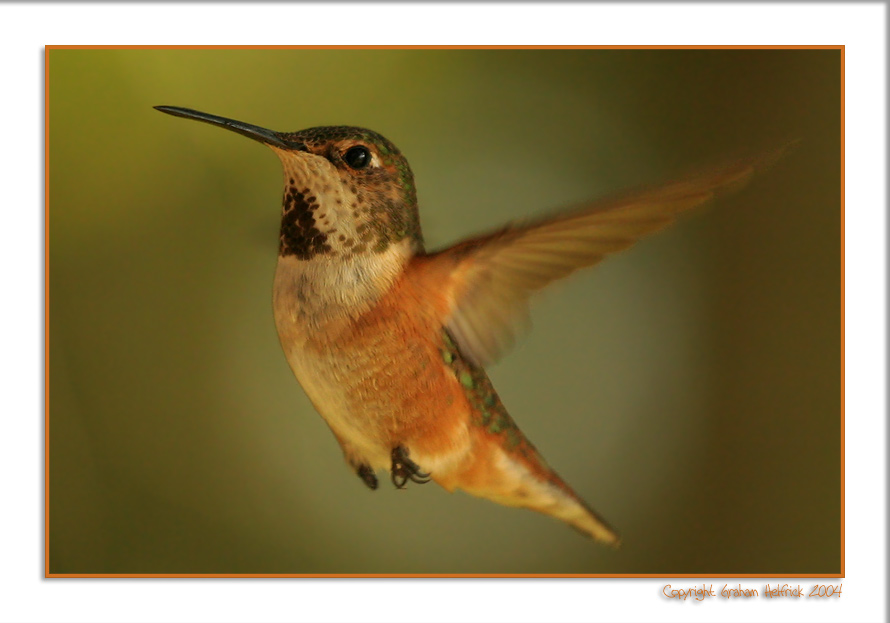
(689, 388)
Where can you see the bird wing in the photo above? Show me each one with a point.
(492, 277)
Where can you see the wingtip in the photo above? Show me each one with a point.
(771, 156)
(735, 175)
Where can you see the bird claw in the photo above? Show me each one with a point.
(404, 469)
(368, 476)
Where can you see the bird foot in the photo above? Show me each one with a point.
(404, 469)
(368, 476)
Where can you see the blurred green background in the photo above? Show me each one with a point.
(689, 388)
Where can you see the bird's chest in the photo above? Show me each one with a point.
(360, 357)
(344, 385)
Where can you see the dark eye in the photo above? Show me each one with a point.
(357, 157)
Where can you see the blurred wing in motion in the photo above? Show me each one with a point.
(492, 276)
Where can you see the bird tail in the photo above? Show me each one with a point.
(515, 474)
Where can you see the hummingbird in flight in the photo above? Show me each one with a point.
(390, 342)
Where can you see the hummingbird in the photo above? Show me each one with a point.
(390, 342)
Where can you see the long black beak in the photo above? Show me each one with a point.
(275, 139)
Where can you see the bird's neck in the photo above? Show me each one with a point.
(328, 291)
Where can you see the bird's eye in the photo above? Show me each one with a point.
(357, 157)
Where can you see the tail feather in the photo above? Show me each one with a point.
(502, 464)
(521, 478)
(544, 491)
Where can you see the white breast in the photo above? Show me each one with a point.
(316, 301)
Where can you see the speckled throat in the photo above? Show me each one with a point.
(300, 234)
(329, 208)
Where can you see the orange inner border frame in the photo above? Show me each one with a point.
(419, 575)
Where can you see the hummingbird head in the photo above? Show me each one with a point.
(347, 191)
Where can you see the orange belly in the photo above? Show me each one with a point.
(380, 380)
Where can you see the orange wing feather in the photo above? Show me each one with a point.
(492, 276)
